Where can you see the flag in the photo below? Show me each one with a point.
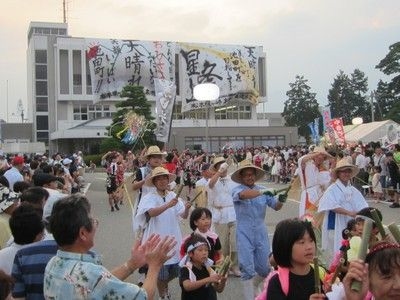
(312, 130)
(316, 130)
(337, 126)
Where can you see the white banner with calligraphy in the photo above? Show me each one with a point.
(165, 97)
(233, 68)
(116, 63)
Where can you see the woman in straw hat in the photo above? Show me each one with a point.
(314, 178)
(340, 203)
(159, 212)
(250, 202)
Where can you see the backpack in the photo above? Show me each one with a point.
(283, 275)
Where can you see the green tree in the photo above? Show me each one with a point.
(347, 98)
(394, 112)
(301, 107)
(137, 102)
(384, 100)
(390, 66)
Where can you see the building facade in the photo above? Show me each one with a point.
(68, 115)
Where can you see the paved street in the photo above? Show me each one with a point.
(115, 236)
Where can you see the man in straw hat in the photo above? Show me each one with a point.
(220, 202)
(314, 177)
(340, 203)
(154, 158)
(250, 201)
(159, 213)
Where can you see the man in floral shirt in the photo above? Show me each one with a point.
(76, 273)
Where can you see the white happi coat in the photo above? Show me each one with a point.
(338, 195)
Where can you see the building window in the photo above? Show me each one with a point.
(91, 112)
(41, 56)
(77, 71)
(88, 79)
(41, 71)
(42, 123)
(232, 112)
(42, 136)
(41, 88)
(42, 104)
(64, 73)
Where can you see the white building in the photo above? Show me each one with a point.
(65, 116)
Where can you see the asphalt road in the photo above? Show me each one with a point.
(114, 236)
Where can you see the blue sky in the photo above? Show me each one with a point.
(312, 38)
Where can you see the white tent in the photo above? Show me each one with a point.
(386, 132)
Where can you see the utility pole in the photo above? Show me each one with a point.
(372, 106)
(64, 12)
(7, 101)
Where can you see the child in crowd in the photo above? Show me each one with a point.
(294, 248)
(197, 279)
(376, 184)
(379, 275)
(200, 223)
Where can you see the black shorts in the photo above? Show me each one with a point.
(111, 182)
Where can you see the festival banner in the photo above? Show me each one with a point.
(316, 129)
(337, 125)
(115, 63)
(165, 97)
(233, 68)
(312, 131)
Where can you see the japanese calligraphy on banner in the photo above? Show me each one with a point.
(337, 126)
(115, 63)
(165, 97)
(232, 68)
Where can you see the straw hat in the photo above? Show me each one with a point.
(154, 150)
(244, 164)
(159, 171)
(216, 161)
(316, 151)
(344, 164)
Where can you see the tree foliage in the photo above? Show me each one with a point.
(348, 97)
(301, 107)
(390, 66)
(384, 100)
(135, 101)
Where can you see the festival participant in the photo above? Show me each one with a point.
(158, 212)
(76, 273)
(220, 202)
(251, 201)
(197, 279)
(14, 173)
(340, 203)
(314, 178)
(294, 247)
(394, 174)
(379, 275)
(379, 159)
(201, 185)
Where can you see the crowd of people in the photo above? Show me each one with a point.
(47, 228)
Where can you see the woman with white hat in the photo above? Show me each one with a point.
(340, 203)
(314, 178)
(159, 213)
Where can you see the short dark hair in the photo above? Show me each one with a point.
(21, 186)
(366, 212)
(68, 216)
(196, 214)
(25, 224)
(287, 232)
(383, 260)
(34, 195)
